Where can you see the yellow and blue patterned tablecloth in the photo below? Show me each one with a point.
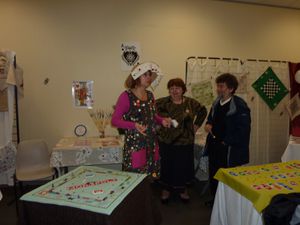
(90, 188)
(260, 183)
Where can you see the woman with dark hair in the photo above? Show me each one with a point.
(228, 126)
(177, 142)
(135, 113)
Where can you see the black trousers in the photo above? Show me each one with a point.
(217, 158)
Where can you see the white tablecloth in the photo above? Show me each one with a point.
(292, 151)
(231, 208)
(7, 164)
(73, 151)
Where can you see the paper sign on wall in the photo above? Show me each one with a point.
(130, 55)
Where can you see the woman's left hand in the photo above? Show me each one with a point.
(167, 122)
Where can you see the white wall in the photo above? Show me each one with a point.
(80, 40)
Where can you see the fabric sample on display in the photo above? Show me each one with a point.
(242, 80)
(294, 107)
(3, 100)
(3, 85)
(270, 88)
(203, 92)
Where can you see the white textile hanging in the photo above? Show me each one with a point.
(9, 77)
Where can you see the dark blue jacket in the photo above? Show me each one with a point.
(237, 135)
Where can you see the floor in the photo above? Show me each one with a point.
(174, 213)
(178, 213)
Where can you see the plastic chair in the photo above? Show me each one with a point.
(32, 163)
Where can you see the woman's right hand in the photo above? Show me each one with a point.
(208, 128)
(167, 122)
(141, 128)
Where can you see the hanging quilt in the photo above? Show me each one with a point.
(270, 88)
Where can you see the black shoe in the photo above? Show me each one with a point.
(165, 196)
(185, 200)
(184, 197)
(164, 200)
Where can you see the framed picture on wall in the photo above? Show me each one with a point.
(82, 92)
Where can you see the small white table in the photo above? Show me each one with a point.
(292, 151)
(74, 151)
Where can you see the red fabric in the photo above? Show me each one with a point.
(295, 89)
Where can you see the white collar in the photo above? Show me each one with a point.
(224, 102)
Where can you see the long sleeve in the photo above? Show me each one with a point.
(240, 126)
(200, 112)
(158, 119)
(122, 107)
(209, 117)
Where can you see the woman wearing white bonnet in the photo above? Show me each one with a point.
(135, 112)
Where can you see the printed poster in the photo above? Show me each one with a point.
(82, 92)
(130, 55)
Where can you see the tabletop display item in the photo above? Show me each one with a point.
(80, 130)
(101, 118)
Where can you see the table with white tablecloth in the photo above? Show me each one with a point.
(76, 151)
(292, 150)
(230, 207)
(243, 192)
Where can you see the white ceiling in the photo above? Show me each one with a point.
(292, 4)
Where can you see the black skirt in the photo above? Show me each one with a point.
(177, 164)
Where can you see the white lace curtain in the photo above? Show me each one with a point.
(10, 77)
(269, 128)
